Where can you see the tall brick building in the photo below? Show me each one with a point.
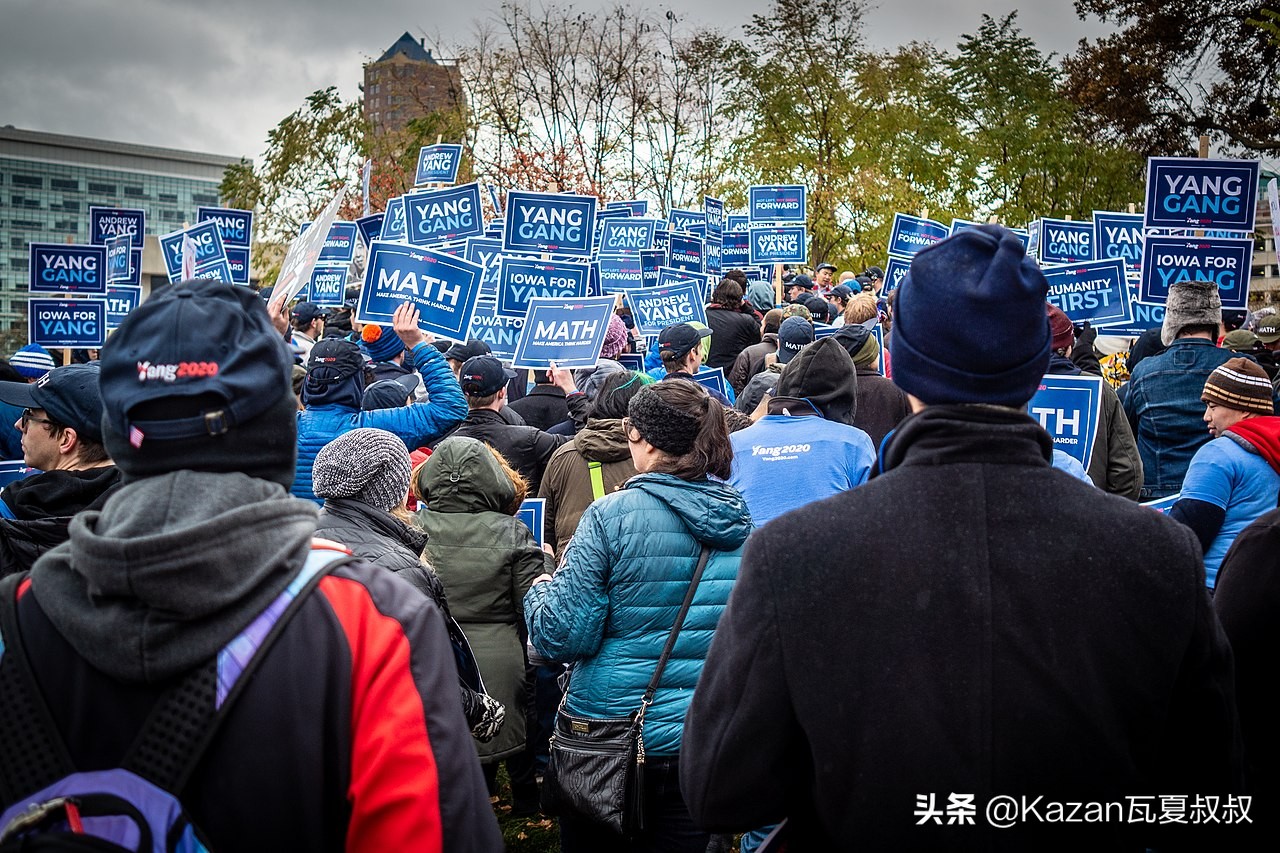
(407, 82)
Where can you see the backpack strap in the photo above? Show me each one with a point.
(32, 753)
(597, 480)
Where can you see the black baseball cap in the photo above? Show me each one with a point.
(842, 291)
(874, 273)
(305, 312)
(484, 375)
(389, 393)
(678, 339)
(822, 267)
(334, 359)
(467, 351)
(69, 394)
(801, 281)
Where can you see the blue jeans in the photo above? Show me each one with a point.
(668, 827)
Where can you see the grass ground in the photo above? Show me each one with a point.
(523, 835)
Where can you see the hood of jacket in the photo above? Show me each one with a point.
(715, 513)
(602, 440)
(347, 393)
(463, 476)
(1060, 365)
(949, 434)
(57, 494)
(171, 569)
(822, 373)
(760, 294)
(1260, 435)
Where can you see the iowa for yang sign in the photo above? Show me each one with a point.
(67, 323)
(58, 268)
(1189, 192)
(549, 222)
(522, 279)
(438, 164)
(442, 216)
(443, 288)
(1166, 261)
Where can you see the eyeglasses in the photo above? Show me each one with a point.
(628, 428)
(28, 418)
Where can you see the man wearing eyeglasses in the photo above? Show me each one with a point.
(61, 426)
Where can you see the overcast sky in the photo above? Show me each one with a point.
(217, 76)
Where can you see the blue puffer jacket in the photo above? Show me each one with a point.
(612, 604)
(417, 424)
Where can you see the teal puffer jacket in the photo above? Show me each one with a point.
(613, 602)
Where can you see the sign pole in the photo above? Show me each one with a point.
(777, 284)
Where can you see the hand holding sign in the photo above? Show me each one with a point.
(278, 313)
(405, 324)
(563, 379)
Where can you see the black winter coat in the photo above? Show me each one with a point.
(731, 333)
(526, 448)
(42, 506)
(881, 405)
(543, 407)
(985, 625)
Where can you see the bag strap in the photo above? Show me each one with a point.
(675, 631)
(597, 480)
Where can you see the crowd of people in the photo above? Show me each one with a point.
(267, 564)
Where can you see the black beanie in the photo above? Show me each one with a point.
(823, 373)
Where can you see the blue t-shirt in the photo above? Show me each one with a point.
(784, 462)
(1226, 475)
(1067, 463)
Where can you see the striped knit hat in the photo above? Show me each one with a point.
(32, 361)
(1239, 384)
(370, 465)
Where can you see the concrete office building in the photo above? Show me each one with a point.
(49, 181)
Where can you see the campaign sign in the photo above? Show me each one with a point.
(218, 270)
(67, 323)
(393, 227)
(1063, 241)
(736, 223)
(500, 333)
(569, 332)
(208, 245)
(713, 214)
(619, 273)
(685, 253)
(786, 244)
(627, 236)
(340, 245)
(59, 268)
(1070, 409)
(1023, 235)
(1095, 291)
(235, 226)
(1144, 317)
(120, 301)
(735, 250)
(1273, 204)
(533, 512)
(712, 378)
(895, 269)
(1187, 191)
(1118, 235)
(1163, 505)
(443, 288)
(651, 264)
(370, 227)
(441, 216)
(135, 269)
(661, 240)
(238, 260)
(682, 220)
(438, 164)
(712, 251)
(653, 309)
(1169, 260)
(549, 222)
(118, 258)
(14, 470)
(607, 212)
(910, 234)
(635, 207)
(768, 203)
(485, 251)
(521, 279)
(671, 276)
(961, 224)
(327, 287)
(107, 222)
(1033, 239)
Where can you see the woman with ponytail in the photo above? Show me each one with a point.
(615, 598)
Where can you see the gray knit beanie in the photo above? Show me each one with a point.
(370, 465)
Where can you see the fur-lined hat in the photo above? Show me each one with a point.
(1191, 303)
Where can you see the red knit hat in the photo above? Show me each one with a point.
(1062, 335)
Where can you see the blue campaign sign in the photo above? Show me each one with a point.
(549, 222)
(485, 251)
(1070, 409)
(393, 227)
(1033, 239)
(782, 244)
(653, 309)
(1169, 260)
(443, 288)
(1118, 235)
(438, 164)
(635, 207)
(135, 269)
(631, 361)
(340, 245)
(502, 334)
(533, 512)
(118, 258)
(607, 212)
(442, 216)
(772, 203)
(208, 245)
(686, 253)
(370, 227)
(1186, 191)
(1023, 235)
(569, 332)
(238, 260)
(218, 270)
(1063, 241)
(59, 268)
(67, 323)
(1095, 291)
(961, 224)
(1144, 317)
(620, 272)
(651, 264)
(671, 276)
(661, 240)
(13, 470)
(712, 251)
(327, 287)
(522, 279)
(735, 250)
(713, 378)
(737, 223)
(235, 226)
(120, 301)
(910, 234)
(627, 236)
(895, 269)
(682, 220)
(713, 213)
(107, 222)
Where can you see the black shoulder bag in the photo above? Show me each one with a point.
(596, 767)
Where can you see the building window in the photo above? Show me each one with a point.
(28, 181)
(200, 198)
(22, 201)
(104, 189)
(170, 198)
(18, 243)
(18, 263)
(70, 205)
(65, 225)
(65, 184)
(134, 192)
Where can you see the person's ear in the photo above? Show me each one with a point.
(67, 444)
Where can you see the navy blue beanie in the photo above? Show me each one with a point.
(970, 325)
